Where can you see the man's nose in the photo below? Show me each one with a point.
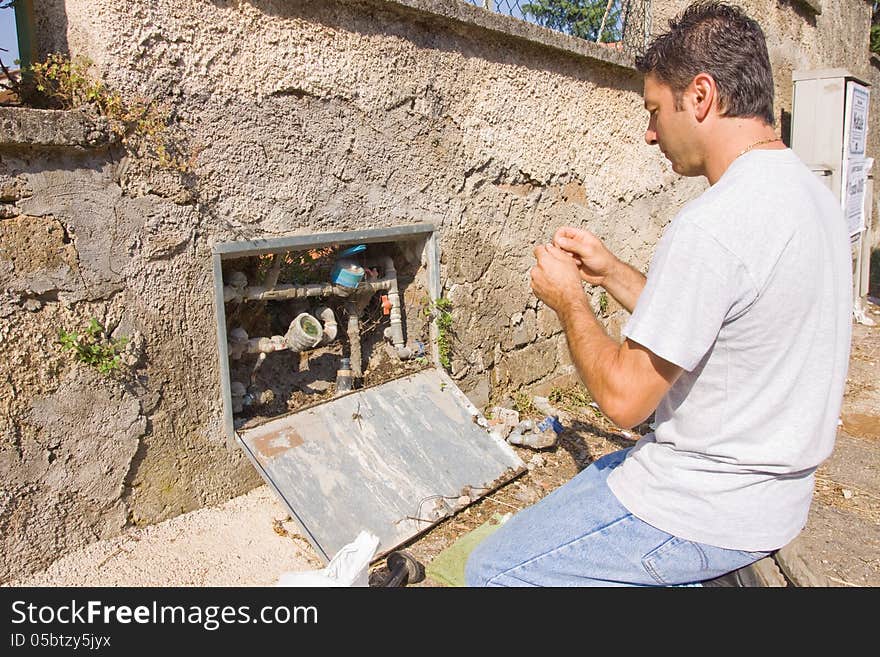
(651, 131)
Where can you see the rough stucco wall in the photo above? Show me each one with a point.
(343, 115)
(311, 117)
(73, 443)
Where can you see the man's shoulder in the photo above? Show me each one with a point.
(775, 191)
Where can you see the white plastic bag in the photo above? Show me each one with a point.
(348, 567)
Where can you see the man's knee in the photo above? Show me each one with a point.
(479, 570)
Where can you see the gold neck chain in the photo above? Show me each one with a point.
(758, 143)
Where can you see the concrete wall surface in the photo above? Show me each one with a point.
(304, 117)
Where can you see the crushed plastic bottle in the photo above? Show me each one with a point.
(551, 422)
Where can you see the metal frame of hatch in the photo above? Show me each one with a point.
(229, 250)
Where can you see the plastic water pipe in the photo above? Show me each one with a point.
(395, 331)
(244, 292)
(354, 337)
(304, 332)
(327, 317)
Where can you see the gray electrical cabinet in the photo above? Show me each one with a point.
(829, 127)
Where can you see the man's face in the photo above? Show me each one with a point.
(673, 130)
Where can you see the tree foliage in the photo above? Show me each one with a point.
(580, 18)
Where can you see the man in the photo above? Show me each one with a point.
(738, 342)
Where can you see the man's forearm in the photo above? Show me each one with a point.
(594, 353)
(625, 284)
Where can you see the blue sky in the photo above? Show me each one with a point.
(8, 39)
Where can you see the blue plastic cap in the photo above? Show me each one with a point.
(352, 250)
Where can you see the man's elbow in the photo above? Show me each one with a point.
(625, 414)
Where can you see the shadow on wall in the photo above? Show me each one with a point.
(785, 127)
(469, 40)
(50, 28)
(874, 280)
(801, 9)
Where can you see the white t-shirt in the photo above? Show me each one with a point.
(750, 292)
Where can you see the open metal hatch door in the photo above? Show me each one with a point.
(393, 459)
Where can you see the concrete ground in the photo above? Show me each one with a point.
(247, 541)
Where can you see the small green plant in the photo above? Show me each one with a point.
(603, 302)
(142, 126)
(441, 311)
(522, 403)
(93, 348)
(573, 398)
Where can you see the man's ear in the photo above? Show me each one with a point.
(705, 93)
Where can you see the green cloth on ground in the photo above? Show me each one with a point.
(448, 567)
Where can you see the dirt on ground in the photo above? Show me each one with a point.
(841, 542)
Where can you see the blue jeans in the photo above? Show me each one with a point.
(580, 535)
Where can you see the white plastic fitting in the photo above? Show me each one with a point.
(305, 332)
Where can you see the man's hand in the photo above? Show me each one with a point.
(627, 380)
(555, 278)
(595, 262)
(598, 266)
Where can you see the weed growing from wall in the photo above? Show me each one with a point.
(440, 311)
(603, 303)
(92, 347)
(523, 404)
(143, 126)
(573, 398)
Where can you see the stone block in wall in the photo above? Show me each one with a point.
(35, 256)
(520, 331)
(99, 223)
(12, 188)
(563, 353)
(547, 322)
(476, 361)
(459, 368)
(94, 426)
(480, 392)
(510, 293)
(525, 366)
(40, 128)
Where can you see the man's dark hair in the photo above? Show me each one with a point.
(721, 40)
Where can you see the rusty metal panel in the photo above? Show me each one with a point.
(393, 459)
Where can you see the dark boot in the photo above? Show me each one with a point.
(762, 573)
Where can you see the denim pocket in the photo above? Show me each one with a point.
(676, 561)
